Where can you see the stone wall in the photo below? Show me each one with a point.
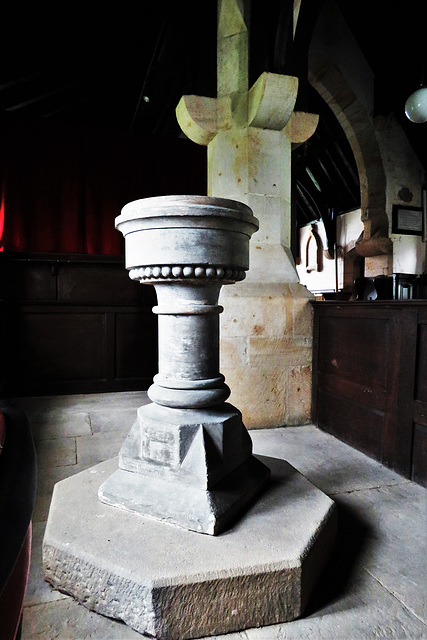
(266, 350)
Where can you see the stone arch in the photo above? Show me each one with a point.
(359, 129)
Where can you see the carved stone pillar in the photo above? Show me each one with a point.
(266, 330)
(188, 458)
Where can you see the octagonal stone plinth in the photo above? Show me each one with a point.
(192, 468)
(175, 584)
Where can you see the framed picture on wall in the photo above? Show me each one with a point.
(407, 220)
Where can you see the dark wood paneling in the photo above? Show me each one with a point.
(355, 424)
(419, 451)
(355, 349)
(420, 413)
(75, 324)
(402, 351)
(370, 396)
(135, 345)
(65, 344)
(419, 467)
(421, 372)
(104, 284)
(355, 376)
(370, 379)
(26, 280)
(71, 349)
(71, 279)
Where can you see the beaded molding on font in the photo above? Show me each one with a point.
(173, 272)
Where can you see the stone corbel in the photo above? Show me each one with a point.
(374, 247)
(197, 117)
(374, 240)
(300, 127)
(271, 101)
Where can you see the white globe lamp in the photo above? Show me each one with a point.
(416, 106)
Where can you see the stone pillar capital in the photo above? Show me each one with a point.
(271, 101)
(197, 117)
(301, 126)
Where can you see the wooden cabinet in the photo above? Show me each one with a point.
(74, 324)
(370, 379)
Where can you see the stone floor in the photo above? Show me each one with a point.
(374, 587)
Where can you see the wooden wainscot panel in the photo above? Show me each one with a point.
(355, 349)
(27, 280)
(369, 396)
(368, 358)
(419, 450)
(53, 348)
(355, 424)
(421, 370)
(419, 458)
(70, 349)
(74, 324)
(136, 346)
(354, 376)
(106, 284)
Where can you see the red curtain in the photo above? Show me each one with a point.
(62, 186)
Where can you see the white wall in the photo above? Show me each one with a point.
(316, 281)
(409, 254)
(405, 176)
(331, 278)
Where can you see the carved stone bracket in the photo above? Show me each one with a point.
(374, 247)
